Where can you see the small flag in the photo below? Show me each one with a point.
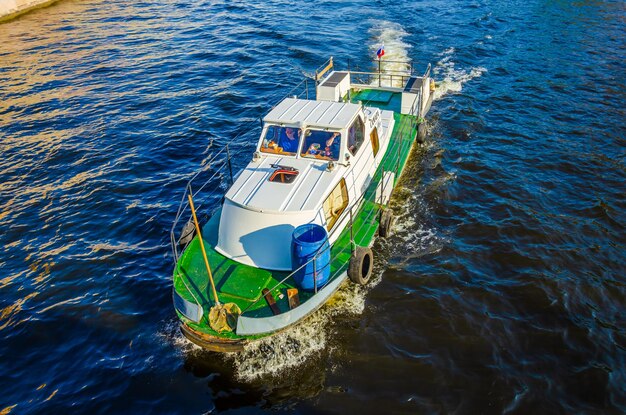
(381, 51)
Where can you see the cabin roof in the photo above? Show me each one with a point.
(253, 189)
(324, 114)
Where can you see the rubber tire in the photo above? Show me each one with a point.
(386, 224)
(421, 132)
(361, 265)
(187, 234)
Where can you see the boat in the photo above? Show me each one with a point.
(278, 238)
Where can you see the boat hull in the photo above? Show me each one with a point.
(269, 326)
(212, 343)
(249, 326)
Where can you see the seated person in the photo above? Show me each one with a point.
(321, 144)
(289, 140)
(332, 146)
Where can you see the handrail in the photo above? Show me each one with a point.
(327, 66)
(390, 72)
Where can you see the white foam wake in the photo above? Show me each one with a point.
(391, 35)
(292, 347)
(275, 355)
(449, 78)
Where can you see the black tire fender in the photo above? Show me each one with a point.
(422, 131)
(187, 234)
(385, 224)
(361, 265)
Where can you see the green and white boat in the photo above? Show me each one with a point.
(327, 165)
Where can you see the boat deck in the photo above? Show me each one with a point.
(385, 100)
(242, 284)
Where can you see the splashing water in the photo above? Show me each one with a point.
(292, 347)
(449, 78)
(171, 334)
(288, 349)
(396, 58)
(416, 238)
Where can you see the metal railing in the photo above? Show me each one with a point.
(381, 80)
(383, 63)
(383, 76)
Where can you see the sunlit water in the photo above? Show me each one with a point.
(502, 290)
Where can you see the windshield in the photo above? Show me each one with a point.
(281, 140)
(322, 145)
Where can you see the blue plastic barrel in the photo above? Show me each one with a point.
(310, 241)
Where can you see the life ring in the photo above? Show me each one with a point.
(361, 265)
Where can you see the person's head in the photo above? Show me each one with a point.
(291, 133)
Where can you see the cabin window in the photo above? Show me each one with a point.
(323, 145)
(374, 140)
(335, 204)
(281, 140)
(284, 176)
(355, 135)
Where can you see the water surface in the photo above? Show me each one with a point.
(502, 291)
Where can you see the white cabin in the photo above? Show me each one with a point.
(313, 160)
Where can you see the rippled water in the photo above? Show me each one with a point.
(503, 290)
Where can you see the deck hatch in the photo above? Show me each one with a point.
(286, 176)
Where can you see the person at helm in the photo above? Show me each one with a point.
(289, 140)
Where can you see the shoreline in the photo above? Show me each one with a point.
(11, 9)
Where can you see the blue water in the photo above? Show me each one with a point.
(502, 291)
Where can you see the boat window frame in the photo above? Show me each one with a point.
(358, 145)
(375, 141)
(334, 218)
(262, 148)
(338, 142)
